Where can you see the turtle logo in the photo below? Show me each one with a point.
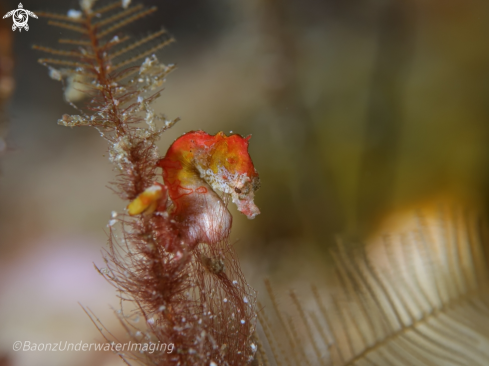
(20, 17)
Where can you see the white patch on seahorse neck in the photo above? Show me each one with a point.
(238, 186)
(218, 182)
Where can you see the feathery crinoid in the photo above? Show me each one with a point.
(417, 298)
(170, 255)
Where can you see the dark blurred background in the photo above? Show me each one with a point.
(360, 111)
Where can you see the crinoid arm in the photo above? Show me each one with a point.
(169, 252)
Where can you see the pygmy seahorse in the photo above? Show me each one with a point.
(199, 170)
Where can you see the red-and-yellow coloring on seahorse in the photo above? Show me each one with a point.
(197, 166)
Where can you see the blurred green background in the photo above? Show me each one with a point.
(359, 109)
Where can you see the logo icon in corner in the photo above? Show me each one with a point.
(20, 17)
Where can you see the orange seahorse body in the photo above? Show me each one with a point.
(197, 166)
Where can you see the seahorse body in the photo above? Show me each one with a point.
(197, 166)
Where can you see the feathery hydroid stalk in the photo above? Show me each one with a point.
(190, 291)
(414, 298)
